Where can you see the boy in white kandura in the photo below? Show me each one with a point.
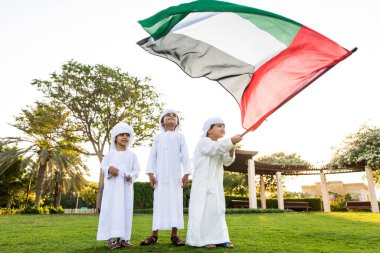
(207, 224)
(168, 169)
(121, 168)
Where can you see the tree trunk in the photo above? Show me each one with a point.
(40, 182)
(9, 201)
(59, 193)
(99, 195)
(29, 186)
(56, 193)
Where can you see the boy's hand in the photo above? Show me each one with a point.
(185, 180)
(236, 139)
(128, 178)
(152, 180)
(113, 171)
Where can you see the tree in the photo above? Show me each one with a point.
(88, 194)
(47, 132)
(235, 183)
(66, 174)
(280, 158)
(12, 181)
(98, 97)
(360, 150)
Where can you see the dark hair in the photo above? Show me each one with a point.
(162, 120)
(121, 134)
(210, 129)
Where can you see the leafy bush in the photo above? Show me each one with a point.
(143, 198)
(7, 211)
(32, 210)
(228, 211)
(259, 210)
(56, 210)
(143, 195)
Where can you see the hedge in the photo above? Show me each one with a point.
(228, 211)
(315, 203)
(143, 198)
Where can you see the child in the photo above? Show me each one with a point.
(120, 168)
(207, 225)
(168, 169)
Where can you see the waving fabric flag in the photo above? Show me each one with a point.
(262, 59)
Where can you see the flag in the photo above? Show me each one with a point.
(262, 59)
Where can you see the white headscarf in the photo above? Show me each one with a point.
(169, 110)
(121, 128)
(209, 123)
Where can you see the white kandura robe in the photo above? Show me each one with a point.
(115, 219)
(168, 161)
(207, 223)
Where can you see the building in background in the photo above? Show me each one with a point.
(358, 191)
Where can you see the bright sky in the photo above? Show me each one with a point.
(37, 37)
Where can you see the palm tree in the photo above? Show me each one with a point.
(46, 131)
(65, 174)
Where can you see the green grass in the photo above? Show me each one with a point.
(272, 232)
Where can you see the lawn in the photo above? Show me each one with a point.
(266, 232)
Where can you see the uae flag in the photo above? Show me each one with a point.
(262, 59)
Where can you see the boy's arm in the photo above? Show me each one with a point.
(104, 166)
(135, 169)
(229, 157)
(152, 180)
(211, 148)
(152, 160)
(185, 158)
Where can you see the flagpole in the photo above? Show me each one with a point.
(244, 133)
(319, 75)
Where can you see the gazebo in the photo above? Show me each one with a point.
(244, 163)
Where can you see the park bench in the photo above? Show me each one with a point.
(358, 205)
(295, 205)
(239, 203)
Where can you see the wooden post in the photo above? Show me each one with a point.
(262, 193)
(252, 184)
(280, 197)
(325, 193)
(372, 190)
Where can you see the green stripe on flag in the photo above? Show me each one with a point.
(163, 26)
(161, 23)
(282, 30)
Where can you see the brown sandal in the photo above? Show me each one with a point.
(148, 241)
(177, 241)
(125, 244)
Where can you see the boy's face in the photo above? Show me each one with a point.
(122, 140)
(217, 131)
(170, 121)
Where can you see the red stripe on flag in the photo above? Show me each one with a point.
(288, 73)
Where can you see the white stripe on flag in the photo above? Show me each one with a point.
(232, 34)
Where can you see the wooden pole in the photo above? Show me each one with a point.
(252, 184)
(372, 190)
(262, 193)
(280, 197)
(325, 194)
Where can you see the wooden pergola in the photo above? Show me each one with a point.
(244, 163)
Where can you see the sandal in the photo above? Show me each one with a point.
(225, 245)
(210, 246)
(177, 241)
(125, 244)
(113, 244)
(148, 241)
